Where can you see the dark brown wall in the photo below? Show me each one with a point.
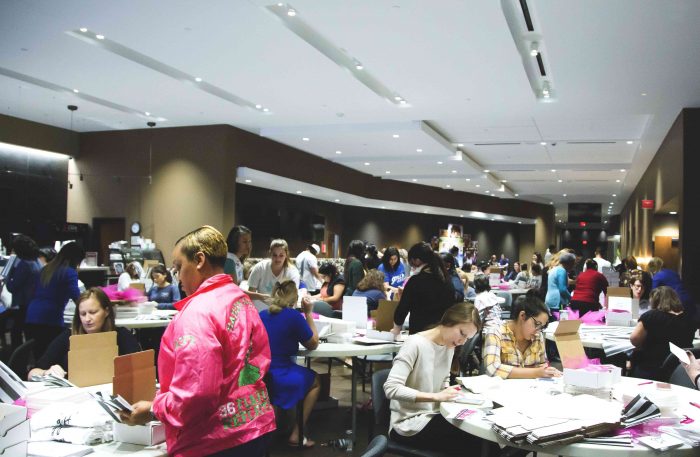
(688, 212)
(38, 136)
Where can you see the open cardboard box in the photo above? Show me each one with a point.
(573, 356)
(91, 358)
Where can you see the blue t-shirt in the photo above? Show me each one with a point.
(22, 281)
(50, 300)
(394, 278)
(285, 330)
(167, 294)
(373, 296)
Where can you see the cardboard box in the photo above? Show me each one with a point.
(596, 376)
(384, 315)
(17, 450)
(91, 358)
(18, 434)
(569, 343)
(623, 319)
(135, 376)
(11, 416)
(145, 435)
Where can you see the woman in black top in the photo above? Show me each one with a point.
(93, 314)
(665, 322)
(427, 294)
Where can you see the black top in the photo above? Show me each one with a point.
(57, 352)
(427, 298)
(661, 328)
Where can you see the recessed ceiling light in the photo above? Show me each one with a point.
(100, 37)
(559, 220)
(617, 180)
(605, 222)
(419, 150)
(426, 211)
(291, 12)
(534, 48)
(519, 222)
(517, 195)
(468, 179)
(612, 203)
(461, 215)
(338, 152)
(305, 139)
(439, 163)
(383, 207)
(198, 79)
(258, 106)
(448, 186)
(454, 171)
(336, 200)
(493, 219)
(478, 185)
(403, 102)
(553, 170)
(397, 98)
(622, 170)
(266, 109)
(414, 180)
(614, 195)
(559, 180)
(543, 143)
(563, 195)
(146, 113)
(460, 144)
(487, 171)
(298, 192)
(673, 212)
(83, 29)
(504, 181)
(395, 135)
(644, 94)
(387, 172)
(630, 142)
(366, 163)
(487, 191)
(76, 91)
(248, 181)
(358, 65)
(551, 203)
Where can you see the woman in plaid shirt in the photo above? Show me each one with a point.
(515, 349)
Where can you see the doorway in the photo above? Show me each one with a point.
(107, 230)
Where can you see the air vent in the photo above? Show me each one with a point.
(526, 15)
(591, 142)
(540, 64)
(495, 144)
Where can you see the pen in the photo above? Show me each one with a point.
(645, 383)
(695, 404)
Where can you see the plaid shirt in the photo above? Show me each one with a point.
(501, 353)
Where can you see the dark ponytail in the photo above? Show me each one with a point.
(423, 252)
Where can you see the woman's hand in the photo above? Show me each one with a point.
(549, 372)
(56, 370)
(447, 394)
(140, 415)
(693, 368)
(307, 305)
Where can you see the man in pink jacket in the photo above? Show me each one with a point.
(213, 356)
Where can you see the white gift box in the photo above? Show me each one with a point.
(146, 435)
(594, 376)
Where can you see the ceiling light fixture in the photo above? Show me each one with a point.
(534, 48)
(266, 109)
(305, 139)
(198, 79)
(560, 180)
(358, 65)
(551, 203)
(519, 222)
(448, 186)
(100, 37)
(83, 29)
(630, 142)
(478, 185)
(673, 212)
(298, 192)
(146, 113)
(468, 179)
(553, 170)
(622, 170)
(487, 191)
(419, 150)
(366, 163)
(388, 172)
(487, 171)
(439, 163)
(291, 12)
(563, 195)
(336, 200)
(338, 152)
(617, 180)
(504, 181)
(76, 91)
(543, 143)
(248, 181)
(414, 180)
(258, 106)
(545, 88)
(395, 135)
(454, 171)
(517, 195)
(614, 195)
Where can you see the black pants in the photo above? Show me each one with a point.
(254, 448)
(440, 435)
(583, 307)
(42, 335)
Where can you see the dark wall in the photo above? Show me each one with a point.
(689, 214)
(273, 214)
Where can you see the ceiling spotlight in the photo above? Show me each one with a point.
(551, 203)
(298, 192)
(622, 170)
(395, 135)
(487, 191)
(336, 200)
(560, 221)
(605, 222)
(543, 143)
(517, 195)
(546, 95)
(644, 94)
(560, 180)
(439, 162)
(366, 163)
(291, 12)
(545, 88)
(478, 185)
(398, 98)
(146, 113)
(454, 171)
(468, 179)
(448, 186)
(614, 195)
(403, 102)
(630, 142)
(383, 207)
(563, 195)
(487, 170)
(358, 65)
(76, 91)
(414, 180)
(553, 170)
(258, 106)
(617, 180)
(198, 79)
(534, 48)
(387, 172)
(266, 109)
(248, 181)
(493, 219)
(612, 203)
(673, 212)
(305, 139)
(83, 29)
(419, 150)
(338, 152)
(100, 37)
(519, 222)
(504, 181)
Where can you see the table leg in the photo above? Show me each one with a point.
(353, 400)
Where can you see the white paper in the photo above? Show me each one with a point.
(355, 310)
(680, 353)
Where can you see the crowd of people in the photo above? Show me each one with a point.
(238, 327)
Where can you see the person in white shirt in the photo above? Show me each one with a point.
(600, 261)
(487, 303)
(418, 382)
(267, 272)
(131, 274)
(307, 264)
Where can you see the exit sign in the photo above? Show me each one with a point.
(582, 224)
(648, 204)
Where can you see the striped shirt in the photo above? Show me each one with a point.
(501, 353)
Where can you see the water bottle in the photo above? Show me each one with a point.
(341, 443)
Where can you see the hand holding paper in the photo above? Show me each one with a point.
(680, 353)
(140, 415)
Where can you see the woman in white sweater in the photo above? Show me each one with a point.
(419, 380)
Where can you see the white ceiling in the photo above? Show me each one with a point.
(454, 61)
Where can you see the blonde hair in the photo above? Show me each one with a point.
(374, 279)
(280, 243)
(284, 295)
(461, 313)
(655, 265)
(207, 240)
(665, 299)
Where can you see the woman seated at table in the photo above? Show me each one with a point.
(372, 288)
(535, 279)
(665, 322)
(522, 276)
(512, 272)
(640, 292)
(589, 285)
(418, 382)
(131, 274)
(286, 328)
(163, 292)
(331, 295)
(393, 269)
(94, 314)
(266, 273)
(487, 303)
(516, 348)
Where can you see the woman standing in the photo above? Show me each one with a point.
(266, 273)
(427, 294)
(240, 244)
(213, 357)
(557, 288)
(58, 282)
(418, 382)
(21, 283)
(286, 329)
(354, 269)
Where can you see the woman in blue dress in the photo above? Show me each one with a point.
(286, 328)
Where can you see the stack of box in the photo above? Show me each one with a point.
(14, 430)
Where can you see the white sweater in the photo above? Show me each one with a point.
(420, 366)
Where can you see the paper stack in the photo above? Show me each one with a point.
(40, 399)
(639, 410)
(14, 430)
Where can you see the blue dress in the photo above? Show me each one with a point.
(290, 382)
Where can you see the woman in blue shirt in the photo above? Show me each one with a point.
(664, 277)
(393, 269)
(56, 284)
(558, 294)
(286, 328)
(163, 292)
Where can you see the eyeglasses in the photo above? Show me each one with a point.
(539, 325)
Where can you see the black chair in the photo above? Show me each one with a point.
(20, 359)
(679, 377)
(465, 355)
(667, 372)
(377, 447)
(380, 407)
